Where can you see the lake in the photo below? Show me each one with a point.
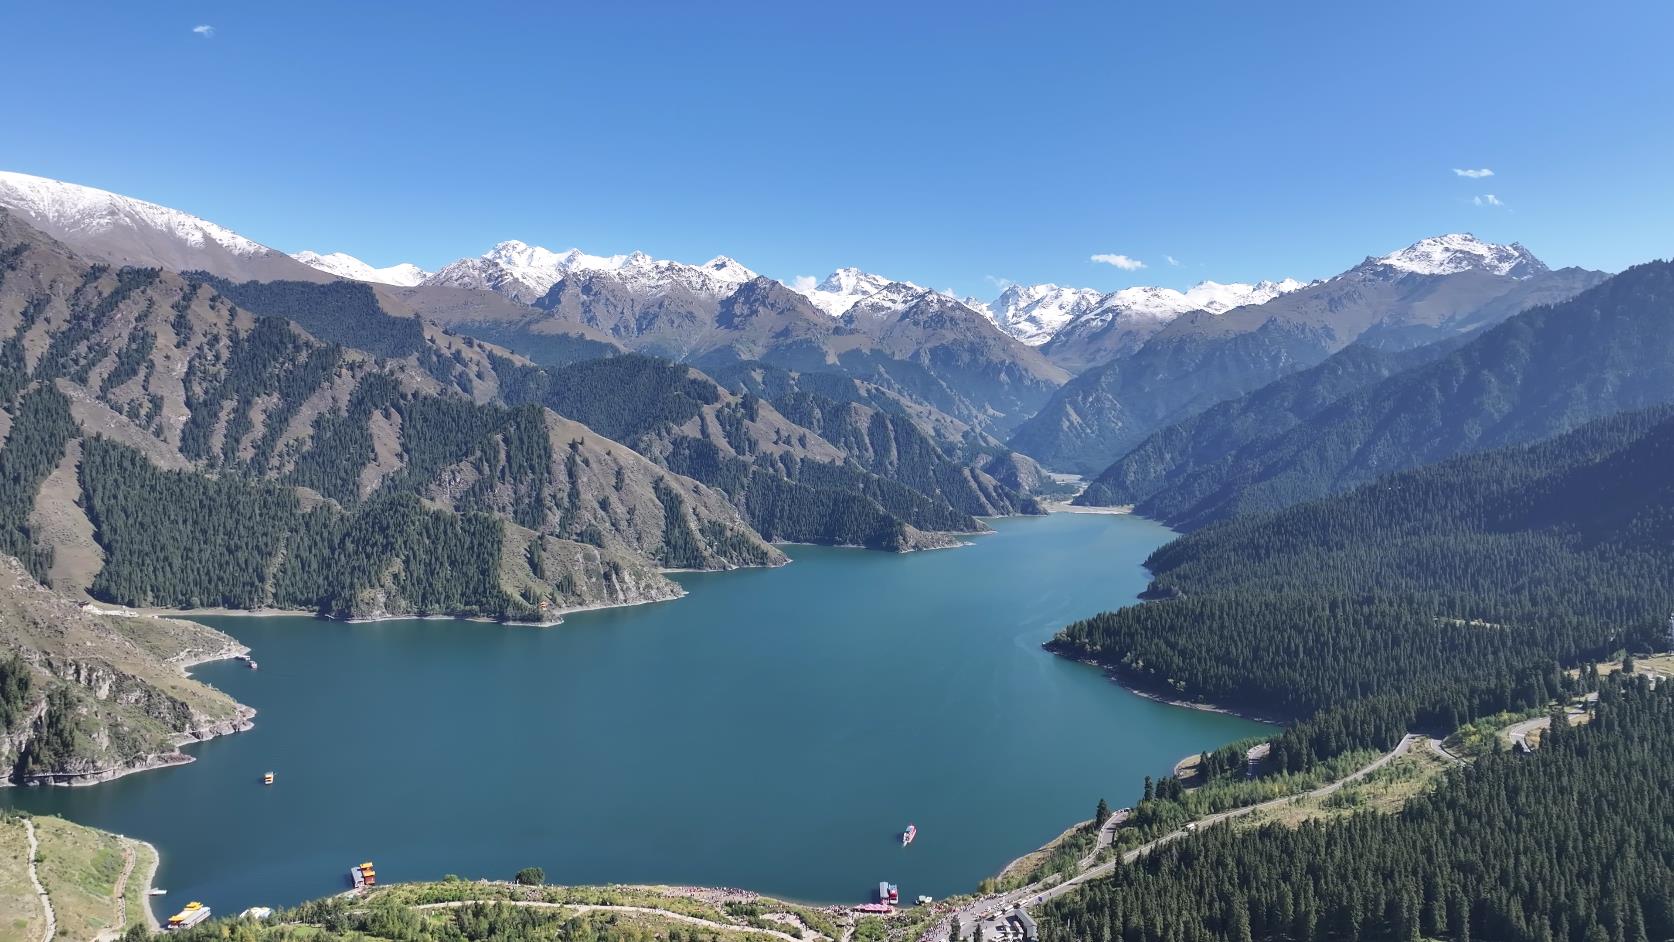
(774, 730)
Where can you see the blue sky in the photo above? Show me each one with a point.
(950, 144)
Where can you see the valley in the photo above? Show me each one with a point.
(626, 556)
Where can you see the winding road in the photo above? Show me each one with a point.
(972, 914)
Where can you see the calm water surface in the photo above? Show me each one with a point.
(775, 729)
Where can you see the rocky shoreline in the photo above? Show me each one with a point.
(242, 719)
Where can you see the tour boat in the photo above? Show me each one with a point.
(194, 913)
(267, 779)
(908, 835)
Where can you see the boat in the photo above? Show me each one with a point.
(194, 913)
(888, 892)
(267, 779)
(158, 891)
(908, 835)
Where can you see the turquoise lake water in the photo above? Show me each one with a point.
(775, 730)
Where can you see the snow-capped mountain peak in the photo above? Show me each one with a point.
(1033, 313)
(728, 270)
(344, 265)
(85, 211)
(1461, 251)
(526, 272)
(844, 287)
(890, 299)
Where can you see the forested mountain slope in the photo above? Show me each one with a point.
(1427, 597)
(1608, 350)
(1200, 359)
(1172, 458)
(309, 474)
(85, 695)
(1570, 844)
(829, 473)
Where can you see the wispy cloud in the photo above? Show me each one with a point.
(204, 30)
(804, 283)
(1487, 199)
(1473, 174)
(1120, 261)
(1173, 261)
(998, 282)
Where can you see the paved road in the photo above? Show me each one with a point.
(40, 890)
(1107, 836)
(1033, 895)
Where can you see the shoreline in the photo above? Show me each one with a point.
(1065, 507)
(148, 881)
(166, 760)
(1115, 677)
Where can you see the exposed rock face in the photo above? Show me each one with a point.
(103, 694)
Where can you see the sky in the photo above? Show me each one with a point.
(959, 145)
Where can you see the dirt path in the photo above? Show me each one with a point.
(123, 885)
(644, 910)
(40, 889)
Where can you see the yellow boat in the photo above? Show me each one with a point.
(194, 913)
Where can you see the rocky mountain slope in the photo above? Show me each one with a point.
(388, 483)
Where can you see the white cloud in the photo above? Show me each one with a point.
(998, 282)
(1174, 261)
(1487, 199)
(1120, 261)
(204, 30)
(1473, 174)
(804, 283)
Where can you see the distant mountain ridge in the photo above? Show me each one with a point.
(1607, 350)
(128, 231)
(1200, 358)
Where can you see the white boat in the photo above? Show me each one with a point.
(908, 835)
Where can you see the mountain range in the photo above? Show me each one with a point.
(1152, 390)
(1366, 412)
(1435, 289)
